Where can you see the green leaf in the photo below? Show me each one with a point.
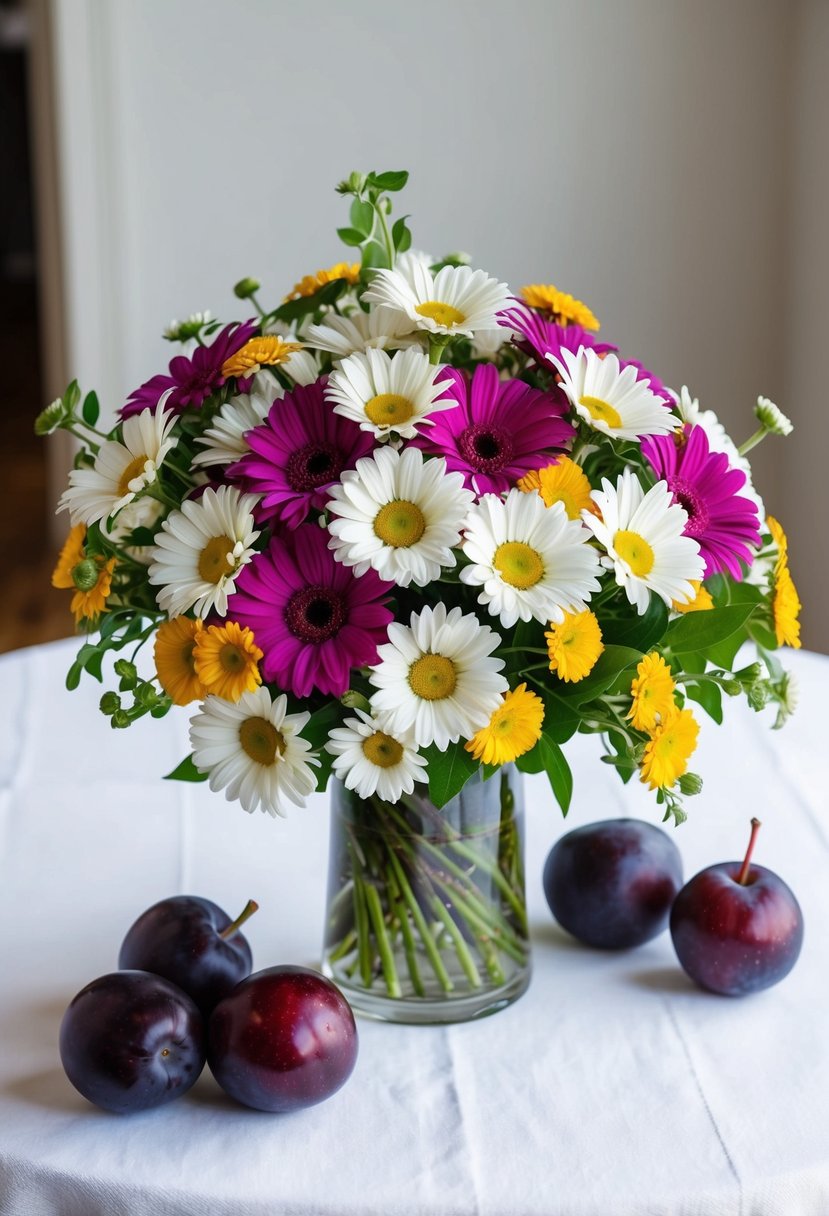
(141, 536)
(762, 635)
(351, 236)
(362, 216)
(293, 310)
(709, 696)
(699, 630)
(553, 763)
(639, 632)
(186, 771)
(448, 771)
(93, 666)
(392, 181)
(612, 662)
(72, 396)
(723, 654)
(91, 409)
(375, 256)
(561, 717)
(73, 676)
(401, 235)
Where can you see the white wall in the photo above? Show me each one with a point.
(630, 151)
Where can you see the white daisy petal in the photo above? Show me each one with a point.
(437, 678)
(388, 395)
(224, 440)
(200, 550)
(399, 513)
(360, 331)
(369, 760)
(643, 538)
(456, 300)
(252, 750)
(532, 561)
(610, 398)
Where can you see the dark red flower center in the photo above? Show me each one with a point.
(315, 614)
(485, 448)
(315, 465)
(689, 497)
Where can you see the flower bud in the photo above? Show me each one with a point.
(128, 673)
(110, 703)
(146, 696)
(50, 419)
(690, 784)
(731, 688)
(759, 695)
(352, 699)
(85, 574)
(772, 417)
(246, 288)
(120, 720)
(748, 676)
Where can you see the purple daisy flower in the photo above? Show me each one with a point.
(313, 619)
(541, 337)
(193, 378)
(724, 524)
(499, 430)
(299, 450)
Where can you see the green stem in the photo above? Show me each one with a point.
(465, 959)
(420, 924)
(399, 908)
(752, 441)
(361, 924)
(375, 912)
(235, 925)
(387, 241)
(345, 946)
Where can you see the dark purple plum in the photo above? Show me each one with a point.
(737, 927)
(193, 943)
(612, 884)
(130, 1041)
(284, 1039)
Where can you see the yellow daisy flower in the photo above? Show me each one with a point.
(562, 481)
(574, 646)
(267, 351)
(563, 308)
(785, 602)
(174, 662)
(87, 604)
(701, 602)
(653, 693)
(71, 555)
(226, 660)
(671, 745)
(311, 283)
(515, 727)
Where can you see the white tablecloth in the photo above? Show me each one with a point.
(612, 1088)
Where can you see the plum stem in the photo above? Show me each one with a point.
(742, 877)
(235, 925)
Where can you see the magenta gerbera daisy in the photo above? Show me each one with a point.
(193, 378)
(300, 449)
(721, 520)
(539, 336)
(312, 618)
(499, 431)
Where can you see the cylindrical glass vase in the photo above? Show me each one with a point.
(426, 918)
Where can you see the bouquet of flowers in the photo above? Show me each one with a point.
(407, 526)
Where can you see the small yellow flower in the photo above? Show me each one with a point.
(653, 693)
(226, 658)
(785, 602)
(174, 663)
(700, 603)
(311, 283)
(671, 745)
(574, 646)
(513, 729)
(563, 308)
(563, 481)
(70, 555)
(267, 351)
(88, 604)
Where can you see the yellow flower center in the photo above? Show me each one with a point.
(231, 658)
(433, 677)
(214, 564)
(134, 469)
(261, 740)
(518, 564)
(635, 550)
(382, 750)
(601, 411)
(400, 524)
(389, 409)
(442, 314)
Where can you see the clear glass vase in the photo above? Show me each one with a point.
(426, 918)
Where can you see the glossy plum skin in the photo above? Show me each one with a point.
(283, 1040)
(130, 1041)
(178, 938)
(734, 939)
(611, 884)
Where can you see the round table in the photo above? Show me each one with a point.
(612, 1088)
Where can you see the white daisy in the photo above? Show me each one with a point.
(370, 761)
(343, 336)
(456, 300)
(437, 679)
(488, 343)
(224, 440)
(252, 749)
(643, 536)
(531, 560)
(772, 417)
(388, 394)
(121, 470)
(201, 549)
(301, 366)
(610, 398)
(400, 514)
(141, 513)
